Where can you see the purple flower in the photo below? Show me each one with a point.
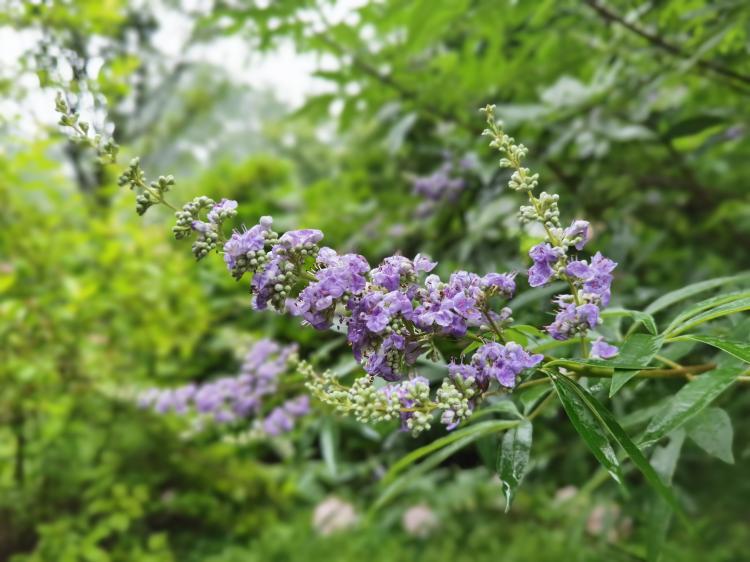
(596, 277)
(392, 271)
(294, 239)
(240, 243)
(572, 319)
(502, 283)
(602, 350)
(440, 185)
(222, 210)
(544, 257)
(502, 362)
(579, 230)
(423, 264)
(341, 276)
(402, 392)
(281, 419)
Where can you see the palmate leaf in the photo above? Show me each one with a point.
(600, 430)
(513, 459)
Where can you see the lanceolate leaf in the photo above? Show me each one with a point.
(638, 318)
(738, 349)
(578, 400)
(669, 299)
(471, 432)
(638, 348)
(513, 459)
(664, 460)
(691, 399)
(588, 426)
(733, 307)
(705, 305)
(712, 431)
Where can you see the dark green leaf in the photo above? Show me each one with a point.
(712, 431)
(691, 399)
(513, 459)
(472, 432)
(693, 126)
(588, 426)
(738, 349)
(581, 400)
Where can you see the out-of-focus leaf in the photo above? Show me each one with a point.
(664, 460)
(513, 459)
(693, 125)
(329, 445)
(712, 431)
(669, 299)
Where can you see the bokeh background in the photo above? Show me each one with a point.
(359, 119)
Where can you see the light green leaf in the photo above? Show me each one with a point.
(638, 318)
(473, 432)
(329, 445)
(691, 399)
(664, 460)
(712, 431)
(733, 307)
(638, 348)
(704, 305)
(669, 299)
(513, 459)
(738, 349)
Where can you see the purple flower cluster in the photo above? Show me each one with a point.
(229, 399)
(282, 418)
(445, 183)
(495, 361)
(578, 312)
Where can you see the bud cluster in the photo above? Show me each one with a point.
(106, 149)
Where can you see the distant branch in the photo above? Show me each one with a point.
(613, 17)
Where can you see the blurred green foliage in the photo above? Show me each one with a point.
(636, 113)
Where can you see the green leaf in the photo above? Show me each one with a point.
(738, 349)
(704, 305)
(664, 460)
(579, 400)
(691, 399)
(712, 431)
(693, 125)
(588, 426)
(638, 318)
(529, 397)
(472, 432)
(669, 299)
(638, 348)
(740, 305)
(329, 445)
(513, 459)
